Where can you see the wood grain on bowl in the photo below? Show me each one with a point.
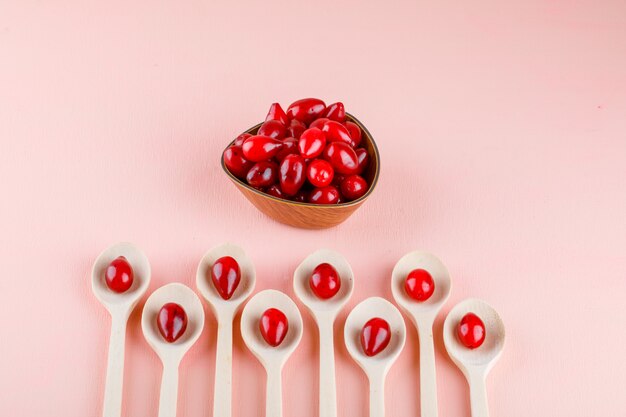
(305, 215)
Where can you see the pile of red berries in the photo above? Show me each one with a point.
(308, 154)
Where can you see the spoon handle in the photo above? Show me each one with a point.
(169, 390)
(274, 397)
(328, 390)
(115, 368)
(377, 395)
(428, 375)
(478, 395)
(222, 390)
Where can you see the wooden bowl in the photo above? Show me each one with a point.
(305, 215)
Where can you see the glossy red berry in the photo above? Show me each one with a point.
(375, 336)
(290, 146)
(291, 174)
(241, 139)
(336, 132)
(353, 187)
(262, 174)
(119, 275)
(273, 326)
(236, 163)
(364, 159)
(276, 112)
(296, 128)
(311, 143)
(336, 112)
(306, 110)
(320, 172)
(355, 132)
(471, 331)
(226, 275)
(275, 191)
(324, 195)
(319, 123)
(324, 281)
(172, 322)
(419, 285)
(260, 148)
(272, 128)
(342, 157)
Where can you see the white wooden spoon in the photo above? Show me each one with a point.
(475, 363)
(423, 315)
(119, 306)
(171, 353)
(325, 312)
(225, 311)
(375, 367)
(272, 358)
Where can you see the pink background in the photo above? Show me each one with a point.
(502, 131)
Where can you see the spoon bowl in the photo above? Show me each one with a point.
(475, 363)
(224, 311)
(422, 315)
(119, 306)
(324, 313)
(486, 355)
(219, 306)
(272, 358)
(126, 301)
(171, 353)
(443, 285)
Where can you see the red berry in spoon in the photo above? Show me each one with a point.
(325, 282)
(172, 322)
(355, 132)
(274, 326)
(296, 128)
(375, 336)
(353, 187)
(260, 148)
(336, 132)
(324, 195)
(320, 172)
(342, 157)
(119, 275)
(273, 129)
(311, 143)
(226, 275)
(262, 174)
(277, 113)
(336, 112)
(236, 163)
(471, 331)
(306, 110)
(319, 123)
(291, 175)
(419, 285)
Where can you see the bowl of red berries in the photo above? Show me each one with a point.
(311, 166)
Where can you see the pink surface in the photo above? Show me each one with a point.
(502, 131)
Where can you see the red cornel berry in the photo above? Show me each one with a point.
(471, 331)
(119, 275)
(324, 281)
(274, 326)
(292, 175)
(419, 285)
(226, 276)
(306, 110)
(260, 148)
(375, 336)
(172, 322)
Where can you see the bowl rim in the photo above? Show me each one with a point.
(358, 201)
